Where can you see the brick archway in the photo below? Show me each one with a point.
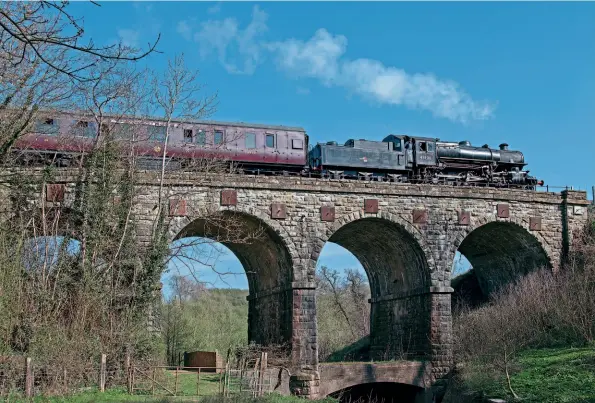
(500, 251)
(335, 377)
(396, 260)
(266, 259)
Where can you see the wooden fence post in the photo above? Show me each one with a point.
(102, 374)
(28, 378)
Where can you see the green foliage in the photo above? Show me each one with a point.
(215, 319)
(64, 307)
(524, 341)
(343, 313)
(541, 376)
(120, 395)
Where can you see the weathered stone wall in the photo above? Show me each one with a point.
(405, 236)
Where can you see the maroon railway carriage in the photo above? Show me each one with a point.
(253, 146)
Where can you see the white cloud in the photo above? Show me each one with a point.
(224, 37)
(129, 37)
(316, 57)
(322, 57)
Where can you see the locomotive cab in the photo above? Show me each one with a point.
(424, 149)
(416, 151)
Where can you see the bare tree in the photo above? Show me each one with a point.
(43, 59)
(44, 28)
(177, 94)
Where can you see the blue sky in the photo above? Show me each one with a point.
(487, 72)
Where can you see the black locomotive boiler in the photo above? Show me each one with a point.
(400, 158)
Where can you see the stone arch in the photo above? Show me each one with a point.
(177, 224)
(500, 251)
(398, 263)
(337, 377)
(406, 225)
(266, 259)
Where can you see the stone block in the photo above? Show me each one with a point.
(278, 211)
(177, 207)
(464, 217)
(503, 210)
(371, 206)
(54, 192)
(535, 223)
(327, 213)
(420, 216)
(229, 197)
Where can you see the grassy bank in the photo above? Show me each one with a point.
(563, 375)
(120, 395)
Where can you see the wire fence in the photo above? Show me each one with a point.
(23, 377)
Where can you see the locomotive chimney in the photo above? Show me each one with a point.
(504, 146)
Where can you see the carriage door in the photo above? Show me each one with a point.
(270, 147)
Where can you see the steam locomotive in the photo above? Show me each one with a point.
(423, 160)
(61, 138)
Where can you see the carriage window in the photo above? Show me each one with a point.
(187, 135)
(422, 146)
(218, 139)
(124, 130)
(397, 145)
(157, 133)
(250, 140)
(47, 126)
(201, 138)
(270, 140)
(85, 129)
(431, 147)
(297, 144)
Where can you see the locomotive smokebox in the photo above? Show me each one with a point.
(504, 146)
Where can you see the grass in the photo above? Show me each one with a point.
(186, 391)
(120, 395)
(563, 375)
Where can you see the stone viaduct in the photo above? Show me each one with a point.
(405, 236)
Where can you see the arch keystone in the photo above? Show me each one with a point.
(229, 197)
(327, 213)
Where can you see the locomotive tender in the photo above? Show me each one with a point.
(254, 148)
